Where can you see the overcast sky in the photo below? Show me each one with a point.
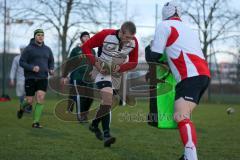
(141, 11)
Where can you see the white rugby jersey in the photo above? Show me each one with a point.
(111, 48)
(182, 48)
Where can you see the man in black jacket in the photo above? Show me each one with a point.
(37, 61)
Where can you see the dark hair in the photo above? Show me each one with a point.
(83, 34)
(128, 26)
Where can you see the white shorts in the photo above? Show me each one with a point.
(115, 79)
(20, 89)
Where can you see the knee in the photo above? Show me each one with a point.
(107, 97)
(178, 116)
(30, 101)
(105, 108)
(40, 98)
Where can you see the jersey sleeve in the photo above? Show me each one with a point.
(50, 60)
(160, 38)
(24, 60)
(133, 59)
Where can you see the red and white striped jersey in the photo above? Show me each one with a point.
(183, 49)
(109, 41)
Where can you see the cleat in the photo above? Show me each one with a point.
(20, 114)
(36, 125)
(108, 141)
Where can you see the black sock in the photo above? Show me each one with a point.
(95, 122)
(105, 112)
(106, 124)
(98, 118)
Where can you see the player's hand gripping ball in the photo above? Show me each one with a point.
(106, 68)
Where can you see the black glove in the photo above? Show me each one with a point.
(152, 56)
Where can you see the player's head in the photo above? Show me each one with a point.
(171, 9)
(84, 36)
(22, 47)
(127, 31)
(39, 36)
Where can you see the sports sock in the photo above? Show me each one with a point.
(37, 112)
(189, 138)
(95, 122)
(97, 119)
(106, 120)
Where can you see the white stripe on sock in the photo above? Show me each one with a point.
(190, 149)
(189, 133)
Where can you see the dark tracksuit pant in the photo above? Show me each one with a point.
(83, 104)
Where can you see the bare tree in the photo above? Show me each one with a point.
(238, 61)
(66, 17)
(215, 20)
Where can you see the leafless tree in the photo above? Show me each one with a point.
(215, 20)
(67, 17)
(238, 61)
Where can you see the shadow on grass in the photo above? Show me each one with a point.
(47, 133)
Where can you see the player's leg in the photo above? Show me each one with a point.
(21, 99)
(104, 112)
(86, 102)
(40, 98)
(28, 101)
(183, 110)
(89, 101)
(105, 109)
(76, 98)
(20, 92)
(20, 89)
(72, 97)
(188, 95)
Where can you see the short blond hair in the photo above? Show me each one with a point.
(129, 26)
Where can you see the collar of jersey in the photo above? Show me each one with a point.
(117, 31)
(175, 18)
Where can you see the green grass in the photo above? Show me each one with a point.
(218, 136)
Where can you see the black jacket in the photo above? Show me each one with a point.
(34, 55)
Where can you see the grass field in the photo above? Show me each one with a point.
(218, 136)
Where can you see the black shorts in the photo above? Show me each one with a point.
(192, 89)
(33, 85)
(103, 84)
